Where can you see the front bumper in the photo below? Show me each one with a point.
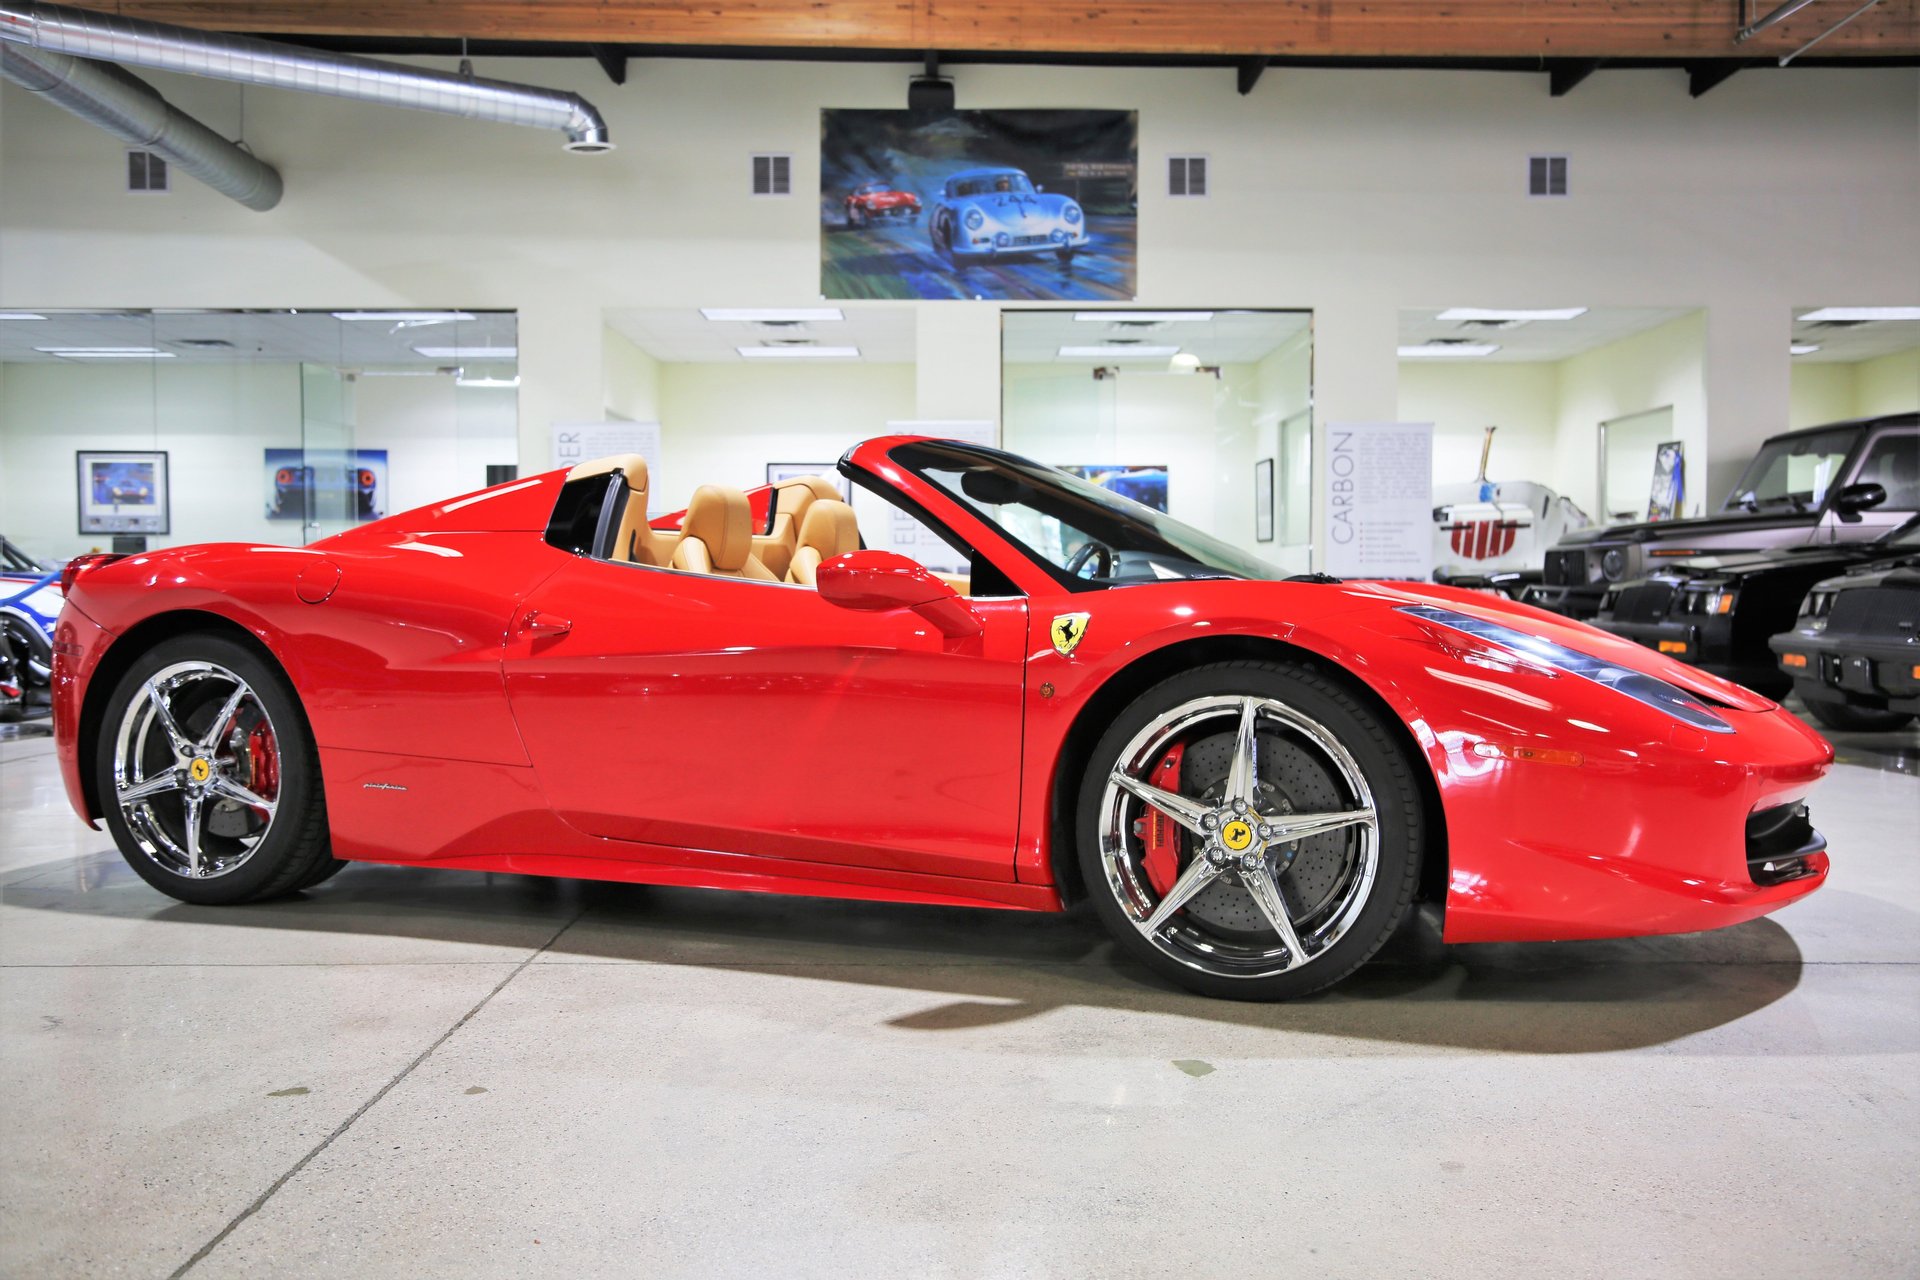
(1696, 645)
(986, 244)
(1851, 671)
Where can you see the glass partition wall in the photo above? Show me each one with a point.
(271, 426)
(1206, 415)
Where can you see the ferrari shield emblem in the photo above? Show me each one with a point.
(1068, 629)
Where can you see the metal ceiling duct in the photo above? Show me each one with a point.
(131, 109)
(86, 34)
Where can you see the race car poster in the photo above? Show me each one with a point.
(1146, 485)
(1025, 205)
(326, 484)
(123, 492)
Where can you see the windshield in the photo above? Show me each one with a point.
(1084, 535)
(1906, 537)
(14, 560)
(1792, 474)
(988, 184)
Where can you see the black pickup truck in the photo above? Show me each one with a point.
(1844, 482)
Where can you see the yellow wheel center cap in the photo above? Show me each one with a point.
(1237, 835)
(200, 770)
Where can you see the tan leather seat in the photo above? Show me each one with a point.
(635, 540)
(775, 548)
(717, 536)
(828, 531)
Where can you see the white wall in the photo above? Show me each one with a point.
(1831, 391)
(632, 379)
(1462, 400)
(1352, 193)
(1661, 368)
(214, 421)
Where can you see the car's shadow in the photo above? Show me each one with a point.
(1002, 966)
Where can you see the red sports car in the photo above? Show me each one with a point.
(1253, 778)
(872, 200)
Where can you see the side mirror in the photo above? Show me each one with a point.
(880, 582)
(1851, 500)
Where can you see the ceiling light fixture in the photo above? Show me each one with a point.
(1118, 353)
(106, 353)
(1185, 362)
(1859, 315)
(799, 353)
(415, 316)
(1804, 348)
(1140, 317)
(1503, 313)
(20, 315)
(770, 315)
(460, 381)
(468, 353)
(1448, 350)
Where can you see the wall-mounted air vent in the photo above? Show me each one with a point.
(146, 172)
(1546, 175)
(1187, 176)
(772, 175)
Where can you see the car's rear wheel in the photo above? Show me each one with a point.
(208, 775)
(1250, 830)
(1849, 719)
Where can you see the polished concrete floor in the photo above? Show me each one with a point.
(412, 1073)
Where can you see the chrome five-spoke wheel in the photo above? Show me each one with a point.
(207, 774)
(1242, 821)
(196, 769)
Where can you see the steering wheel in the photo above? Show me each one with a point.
(1083, 556)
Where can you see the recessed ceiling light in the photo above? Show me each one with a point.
(1501, 313)
(799, 353)
(106, 353)
(468, 353)
(1118, 353)
(1448, 350)
(397, 316)
(20, 315)
(774, 315)
(1857, 315)
(1140, 317)
(514, 381)
(1804, 348)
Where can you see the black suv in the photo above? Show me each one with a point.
(1844, 482)
(1854, 652)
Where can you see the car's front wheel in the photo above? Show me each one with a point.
(1250, 830)
(208, 775)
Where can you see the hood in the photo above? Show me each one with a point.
(1901, 571)
(1696, 526)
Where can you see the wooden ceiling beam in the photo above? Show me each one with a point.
(1560, 29)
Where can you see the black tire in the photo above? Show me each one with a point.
(1382, 760)
(294, 850)
(326, 871)
(941, 232)
(1850, 719)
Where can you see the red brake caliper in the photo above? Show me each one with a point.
(1159, 833)
(263, 767)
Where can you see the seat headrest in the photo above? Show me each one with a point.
(830, 528)
(631, 464)
(801, 491)
(722, 519)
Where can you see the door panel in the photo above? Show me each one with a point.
(747, 717)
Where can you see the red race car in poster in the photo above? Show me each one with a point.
(1252, 778)
(872, 200)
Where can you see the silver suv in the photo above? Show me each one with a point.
(1844, 482)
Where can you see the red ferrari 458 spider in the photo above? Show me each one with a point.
(1252, 778)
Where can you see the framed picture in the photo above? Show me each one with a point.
(1263, 500)
(781, 472)
(122, 492)
(1669, 492)
(326, 484)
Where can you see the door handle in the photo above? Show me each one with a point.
(535, 623)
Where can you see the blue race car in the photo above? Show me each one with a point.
(993, 213)
(29, 602)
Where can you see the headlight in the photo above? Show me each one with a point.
(1654, 692)
(975, 219)
(1613, 565)
(1002, 239)
(1072, 214)
(1815, 609)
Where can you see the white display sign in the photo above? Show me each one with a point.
(1376, 486)
(577, 442)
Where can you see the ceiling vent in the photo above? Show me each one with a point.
(772, 174)
(205, 344)
(1546, 175)
(1187, 176)
(1482, 325)
(146, 173)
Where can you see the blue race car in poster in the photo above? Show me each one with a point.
(989, 213)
